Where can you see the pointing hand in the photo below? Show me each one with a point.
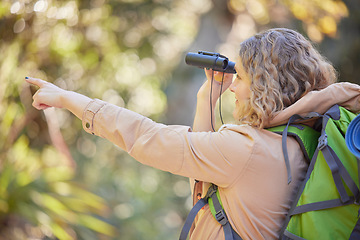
(48, 95)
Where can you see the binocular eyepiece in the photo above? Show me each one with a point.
(210, 60)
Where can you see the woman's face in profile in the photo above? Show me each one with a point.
(241, 88)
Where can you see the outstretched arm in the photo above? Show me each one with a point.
(204, 114)
(148, 142)
(50, 95)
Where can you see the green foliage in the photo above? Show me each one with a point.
(320, 18)
(119, 51)
(45, 196)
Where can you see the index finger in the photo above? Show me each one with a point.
(35, 81)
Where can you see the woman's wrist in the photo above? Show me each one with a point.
(75, 102)
(204, 92)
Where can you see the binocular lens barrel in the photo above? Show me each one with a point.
(214, 61)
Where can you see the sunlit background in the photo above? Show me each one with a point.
(58, 182)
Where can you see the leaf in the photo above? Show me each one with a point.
(96, 225)
(55, 174)
(58, 207)
(60, 233)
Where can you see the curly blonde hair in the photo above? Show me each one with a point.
(283, 66)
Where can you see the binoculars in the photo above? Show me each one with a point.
(210, 60)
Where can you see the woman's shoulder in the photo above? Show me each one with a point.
(235, 127)
(258, 135)
(241, 128)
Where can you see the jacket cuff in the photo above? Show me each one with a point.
(89, 114)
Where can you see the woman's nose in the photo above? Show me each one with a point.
(232, 87)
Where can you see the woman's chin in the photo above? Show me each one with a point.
(235, 114)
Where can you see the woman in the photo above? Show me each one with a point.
(279, 73)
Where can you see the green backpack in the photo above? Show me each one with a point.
(327, 202)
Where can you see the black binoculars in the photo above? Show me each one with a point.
(210, 60)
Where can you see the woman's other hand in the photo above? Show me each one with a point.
(48, 95)
(204, 116)
(220, 78)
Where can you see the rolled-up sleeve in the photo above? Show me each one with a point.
(207, 156)
(89, 114)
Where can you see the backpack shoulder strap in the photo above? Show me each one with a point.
(294, 118)
(191, 217)
(219, 214)
(306, 136)
(212, 198)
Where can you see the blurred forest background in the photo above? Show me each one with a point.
(58, 182)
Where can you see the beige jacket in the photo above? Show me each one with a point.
(246, 163)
